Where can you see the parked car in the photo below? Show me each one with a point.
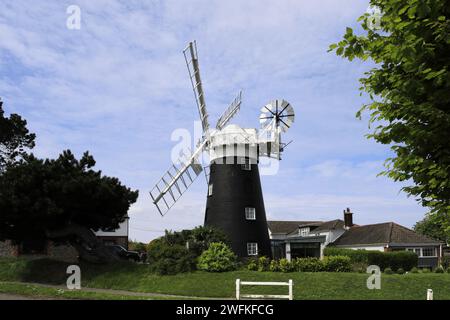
(124, 253)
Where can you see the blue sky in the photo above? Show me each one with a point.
(118, 87)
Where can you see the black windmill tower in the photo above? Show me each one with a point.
(234, 199)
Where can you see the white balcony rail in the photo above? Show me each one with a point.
(239, 296)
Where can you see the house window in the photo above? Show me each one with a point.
(423, 252)
(252, 249)
(245, 164)
(250, 213)
(304, 232)
(428, 252)
(210, 189)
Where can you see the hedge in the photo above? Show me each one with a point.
(356, 256)
(394, 259)
(328, 264)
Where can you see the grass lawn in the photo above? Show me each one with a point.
(38, 292)
(323, 285)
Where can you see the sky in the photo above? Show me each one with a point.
(118, 87)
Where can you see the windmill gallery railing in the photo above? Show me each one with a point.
(239, 296)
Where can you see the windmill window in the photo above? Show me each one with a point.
(252, 248)
(250, 213)
(210, 189)
(245, 164)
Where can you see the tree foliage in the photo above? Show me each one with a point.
(410, 92)
(434, 226)
(178, 251)
(217, 258)
(14, 138)
(38, 196)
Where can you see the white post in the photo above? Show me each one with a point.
(291, 295)
(429, 294)
(238, 289)
(288, 251)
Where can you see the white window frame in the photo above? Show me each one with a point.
(210, 189)
(434, 252)
(245, 164)
(419, 252)
(303, 232)
(252, 248)
(250, 213)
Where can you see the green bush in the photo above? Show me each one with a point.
(308, 265)
(446, 262)
(263, 264)
(388, 271)
(359, 267)
(274, 266)
(177, 252)
(217, 258)
(170, 259)
(400, 271)
(252, 265)
(414, 270)
(448, 270)
(439, 270)
(337, 264)
(356, 256)
(393, 260)
(285, 265)
(425, 270)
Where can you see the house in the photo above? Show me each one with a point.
(390, 236)
(63, 252)
(296, 239)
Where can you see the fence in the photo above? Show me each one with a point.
(240, 283)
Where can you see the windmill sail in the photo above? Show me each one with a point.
(191, 57)
(230, 112)
(177, 180)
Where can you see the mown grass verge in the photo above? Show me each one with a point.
(138, 278)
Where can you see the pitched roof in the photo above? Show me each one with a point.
(288, 226)
(330, 225)
(292, 226)
(381, 233)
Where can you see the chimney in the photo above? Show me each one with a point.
(348, 219)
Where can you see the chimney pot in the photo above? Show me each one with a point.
(348, 219)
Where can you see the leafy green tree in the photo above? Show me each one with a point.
(181, 249)
(217, 258)
(409, 88)
(137, 246)
(432, 226)
(14, 138)
(39, 197)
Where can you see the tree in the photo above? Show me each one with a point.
(14, 138)
(42, 198)
(177, 251)
(432, 226)
(409, 90)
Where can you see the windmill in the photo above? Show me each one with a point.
(234, 198)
